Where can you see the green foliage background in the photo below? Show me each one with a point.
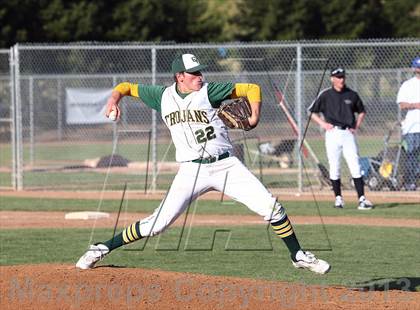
(205, 20)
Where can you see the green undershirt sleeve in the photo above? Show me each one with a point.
(218, 92)
(151, 95)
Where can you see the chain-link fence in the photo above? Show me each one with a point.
(54, 149)
(6, 133)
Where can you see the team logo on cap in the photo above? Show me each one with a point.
(190, 61)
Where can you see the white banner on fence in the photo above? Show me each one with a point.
(86, 105)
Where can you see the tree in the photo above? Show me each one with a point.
(355, 19)
(205, 20)
(154, 20)
(65, 21)
(223, 21)
(20, 21)
(403, 16)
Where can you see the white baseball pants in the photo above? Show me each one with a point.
(193, 179)
(337, 142)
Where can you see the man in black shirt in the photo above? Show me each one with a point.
(338, 105)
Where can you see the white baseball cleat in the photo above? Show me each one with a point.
(307, 260)
(339, 202)
(95, 253)
(364, 204)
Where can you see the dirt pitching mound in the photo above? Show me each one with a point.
(65, 287)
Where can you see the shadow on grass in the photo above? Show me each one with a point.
(410, 284)
(109, 266)
(393, 205)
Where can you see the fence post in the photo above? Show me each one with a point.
(13, 115)
(59, 110)
(31, 121)
(399, 115)
(299, 103)
(114, 125)
(17, 121)
(154, 126)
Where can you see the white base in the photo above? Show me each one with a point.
(86, 215)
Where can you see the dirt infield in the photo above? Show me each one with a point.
(54, 286)
(283, 195)
(27, 219)
(64, 287)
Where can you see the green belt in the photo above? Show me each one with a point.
(211, 159)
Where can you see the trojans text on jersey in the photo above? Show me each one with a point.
(186, 116)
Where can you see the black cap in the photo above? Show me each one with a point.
(338, 72)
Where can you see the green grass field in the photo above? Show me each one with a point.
(65, 152)
(358, 254)
(387, 210)
(90, 179)
(52, 174)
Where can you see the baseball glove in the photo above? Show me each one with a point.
(234, 113)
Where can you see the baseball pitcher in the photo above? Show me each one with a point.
(198, 122)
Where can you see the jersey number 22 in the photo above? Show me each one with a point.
(205, 134)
